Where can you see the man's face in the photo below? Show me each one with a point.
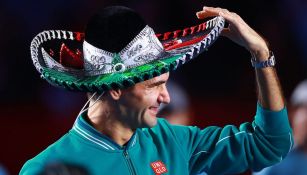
(139, 104)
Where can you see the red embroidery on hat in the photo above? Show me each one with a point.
(51, 52)
(79, 36)
(193, 29)
(166, 35)
(176, 33)
(178, 38)
(159, 35)
(69, 58)
(186, 31)
(158, 167)
(181, 33)
(202, 26)
(178, 43)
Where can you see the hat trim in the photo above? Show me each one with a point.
(105, 82)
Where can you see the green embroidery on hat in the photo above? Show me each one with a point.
(117, 63)
(106, 81)
(116, 59)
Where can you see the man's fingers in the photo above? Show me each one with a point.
(204, 14)
(210, 11)
(216, 11)
(227, 16)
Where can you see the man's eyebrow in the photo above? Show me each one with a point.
(152, 84)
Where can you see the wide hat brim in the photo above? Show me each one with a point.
(195, 39)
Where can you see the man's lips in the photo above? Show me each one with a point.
(154, 109)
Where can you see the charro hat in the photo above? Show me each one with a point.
(117, 50)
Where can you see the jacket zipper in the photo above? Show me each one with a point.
(129, 162)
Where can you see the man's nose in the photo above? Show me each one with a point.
(164, 95)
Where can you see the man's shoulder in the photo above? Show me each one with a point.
(163, 127)
(32, 166)
(162, 124)
(37, 163)
(162, 121)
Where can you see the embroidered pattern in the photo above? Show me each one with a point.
(144, 48)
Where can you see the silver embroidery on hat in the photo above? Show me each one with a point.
(96, 61)
(144, 48)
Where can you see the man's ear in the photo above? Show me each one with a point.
(115, 93)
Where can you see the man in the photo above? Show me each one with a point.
(121, 134)
(295, 163)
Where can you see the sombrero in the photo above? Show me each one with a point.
(117, 50)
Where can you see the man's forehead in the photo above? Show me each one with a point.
(161, 78)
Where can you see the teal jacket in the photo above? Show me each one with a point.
(172, 149)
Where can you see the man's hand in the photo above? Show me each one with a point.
(269, 90)
(239, 32)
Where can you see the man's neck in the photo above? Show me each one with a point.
(103, 119)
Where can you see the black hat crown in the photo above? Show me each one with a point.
(112, 28)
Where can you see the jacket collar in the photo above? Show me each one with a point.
(82, 128)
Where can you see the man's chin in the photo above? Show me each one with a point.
(152, 125)
(150, 121)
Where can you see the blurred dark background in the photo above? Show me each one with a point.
(220, 82)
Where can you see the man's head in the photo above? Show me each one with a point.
(299, 114)
(138, 105)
